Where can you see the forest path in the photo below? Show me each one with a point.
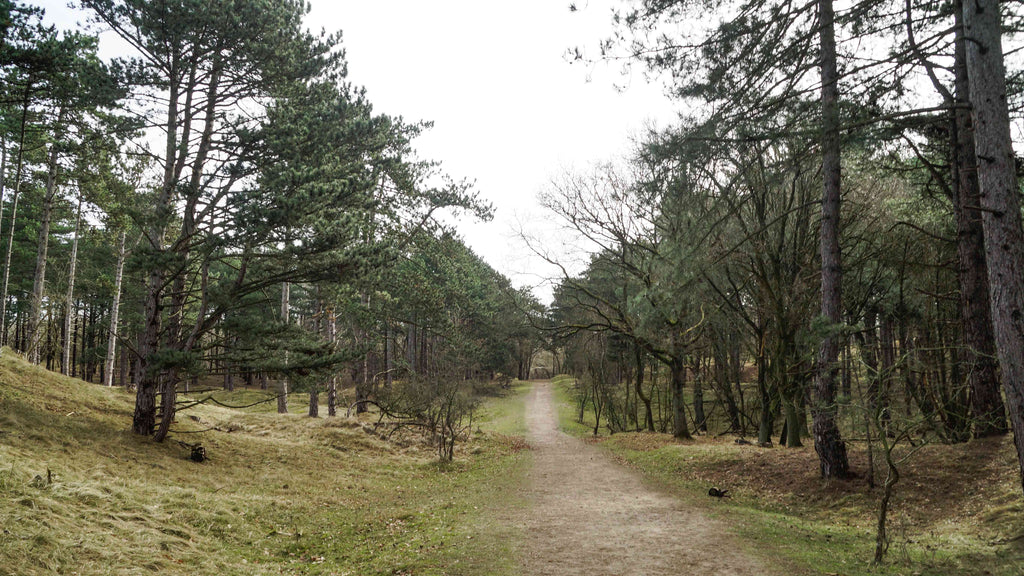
(586, 514)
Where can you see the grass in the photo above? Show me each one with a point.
(280, 494)
(958, 509)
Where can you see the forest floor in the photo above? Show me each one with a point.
(956, 511)
(287, 494)
(587, 514)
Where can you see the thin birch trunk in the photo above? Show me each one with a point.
(114, 310)
(69, 301)
(18, 166)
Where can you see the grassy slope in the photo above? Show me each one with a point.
(958, 510)
(278, 495)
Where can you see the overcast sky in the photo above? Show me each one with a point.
(509, 111)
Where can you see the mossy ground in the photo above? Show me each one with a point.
(958, 510)
(280, 494)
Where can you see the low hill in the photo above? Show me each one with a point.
(279, 494)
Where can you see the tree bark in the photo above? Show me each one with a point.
(680, 429)
(977, 352)
(1000, 201)
(314, 401)
(828, 442)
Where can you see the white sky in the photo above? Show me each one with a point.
(509, 111)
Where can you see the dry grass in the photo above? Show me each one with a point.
(285, 494)
(957, 509)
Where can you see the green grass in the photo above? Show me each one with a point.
(568, 409)
(280, 494)
(958, 509)
(505, 414)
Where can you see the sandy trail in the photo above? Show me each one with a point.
(588, 515)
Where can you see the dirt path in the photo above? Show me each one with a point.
(589, 515)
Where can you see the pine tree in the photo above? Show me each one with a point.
(1000, 201)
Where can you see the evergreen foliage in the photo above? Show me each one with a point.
(268, 224)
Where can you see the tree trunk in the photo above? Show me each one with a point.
(115, 308)
(766, 424)
(49, 340)
(7, 264)
(680, 429)
(639, 384)
(828, 442)
(42, 252)
(18, 167)
(144, 418)
(869, 355)
(73, 343)
(282, 383)
(314, 401)
(847, 363)
(69, 301)
(389, 357)
(912, 380)
(700, 419)
(977, 352)
(332, 381)
(88, 319)
(891, 479)
(791, 410)
(3, 173)
(887, 348)
(1000, 202)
